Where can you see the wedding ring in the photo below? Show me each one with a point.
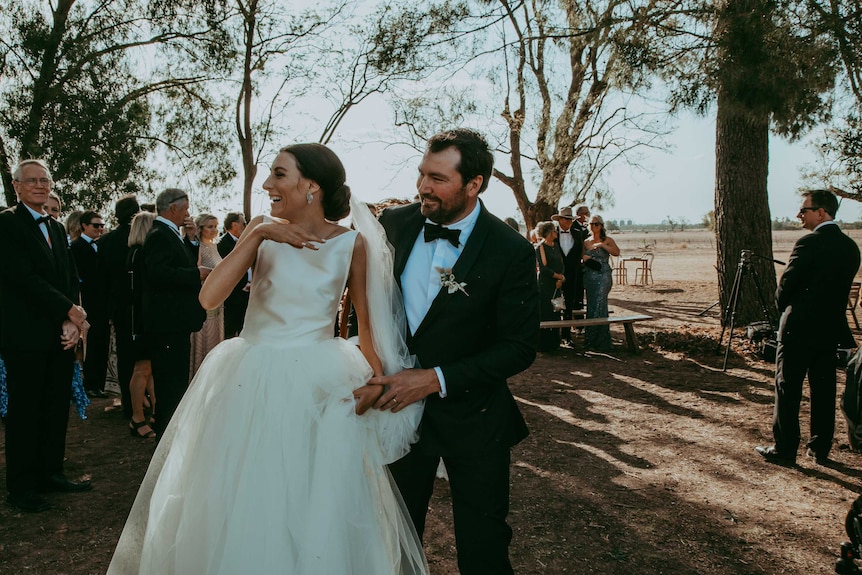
(394, 400)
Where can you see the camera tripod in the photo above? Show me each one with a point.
(743, 269)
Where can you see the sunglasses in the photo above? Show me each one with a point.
(97, 225)
(803, 210)
(595, 223)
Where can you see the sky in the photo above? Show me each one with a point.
(677, 182)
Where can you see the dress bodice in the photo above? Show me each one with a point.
(601, 255)
(209, 256)
(295, 293)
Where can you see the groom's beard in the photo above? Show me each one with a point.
(444, 212)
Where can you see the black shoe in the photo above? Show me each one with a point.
(96, 394)
(29, 502)
(818, 458)
(60, 484)
(772, 455)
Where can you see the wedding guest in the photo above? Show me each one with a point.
(53, 206)
(268, 466)
(470, 291)
(141, 388)
(237, 302)
(212, 332)
(549, 259)
(114, 251)
(571, 241)
(812, 298)
(94, 298)
(73, 225)
(41, 324)
(579, 226)
(171, 282)
(597, 282)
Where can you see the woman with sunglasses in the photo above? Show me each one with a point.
(598, 248)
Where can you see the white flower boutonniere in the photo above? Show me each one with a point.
(448, 281)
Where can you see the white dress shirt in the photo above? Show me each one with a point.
(567, 242)
(42, 225)
(420, 280)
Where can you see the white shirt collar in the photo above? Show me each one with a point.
(36, 215)
(826, 223)
(465, 225)
(170, 224)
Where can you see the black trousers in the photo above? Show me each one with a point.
(234, 317)
(125, 362)
(170, 361)
(40, 388)
(792, 363)
(480, 504)
(98, 350)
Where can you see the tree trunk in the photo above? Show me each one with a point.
(742, 219)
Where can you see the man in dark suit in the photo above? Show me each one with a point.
(171, 283)
(571, 243)
(114, 250)
(471, 298)
(40, 324)
(237, 302)
(812, 299)
(88, 260)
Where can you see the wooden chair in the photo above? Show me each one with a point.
(619, 268)
(645, 269)
(853, 301)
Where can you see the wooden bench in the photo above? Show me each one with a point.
(628, 322)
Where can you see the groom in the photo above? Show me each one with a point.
(470, 292)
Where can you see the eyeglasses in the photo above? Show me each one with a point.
(97, 225)
(34, 181)
(595, 223)
(804, 209)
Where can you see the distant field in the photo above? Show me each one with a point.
(690, 255)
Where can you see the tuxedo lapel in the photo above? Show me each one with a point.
(34, 228)
(406, 239)
(461, 268)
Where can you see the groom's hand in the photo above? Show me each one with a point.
(405, 387)
(365, 397)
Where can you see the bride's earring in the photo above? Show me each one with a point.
(309, 197)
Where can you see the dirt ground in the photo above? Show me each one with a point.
(636, 464)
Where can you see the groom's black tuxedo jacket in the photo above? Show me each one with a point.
(812, 292)
(39, 283)
(478, 339)
(171, 283)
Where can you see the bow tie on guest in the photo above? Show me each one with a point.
(438, 232)
(565, 232)
(43, 220)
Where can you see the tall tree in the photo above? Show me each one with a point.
(73, 93)
(767, 70)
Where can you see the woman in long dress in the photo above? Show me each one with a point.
(212, 332)
(273, 462)
(598, 247)
(549, 262)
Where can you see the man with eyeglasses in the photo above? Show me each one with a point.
(812, 299)
(40, 325)
(94, 298)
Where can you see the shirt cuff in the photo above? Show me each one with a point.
(442, 381)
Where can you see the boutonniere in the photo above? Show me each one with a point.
(448, 281)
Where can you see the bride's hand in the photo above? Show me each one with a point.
(284, 232)
(365, 397)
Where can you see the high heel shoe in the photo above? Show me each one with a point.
(135, 427)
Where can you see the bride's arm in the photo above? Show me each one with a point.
(356, 285)
(225, 276)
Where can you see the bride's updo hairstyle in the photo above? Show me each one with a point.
(318, 163)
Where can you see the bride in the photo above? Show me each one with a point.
(273, 462)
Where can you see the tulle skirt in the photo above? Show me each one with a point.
(266, 469)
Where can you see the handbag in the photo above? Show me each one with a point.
(558, 302)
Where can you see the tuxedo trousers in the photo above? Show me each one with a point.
(479, 484)
(98, 350)
(171, 355)
(40, 389)
(125, 362)
(792, 363)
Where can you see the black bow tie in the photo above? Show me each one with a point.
(438, 232)
(43, 220)
(565, 232)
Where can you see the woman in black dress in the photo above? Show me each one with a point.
(549, 259)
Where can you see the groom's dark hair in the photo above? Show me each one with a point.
(476, 158)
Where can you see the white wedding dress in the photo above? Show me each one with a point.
(265, 468)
